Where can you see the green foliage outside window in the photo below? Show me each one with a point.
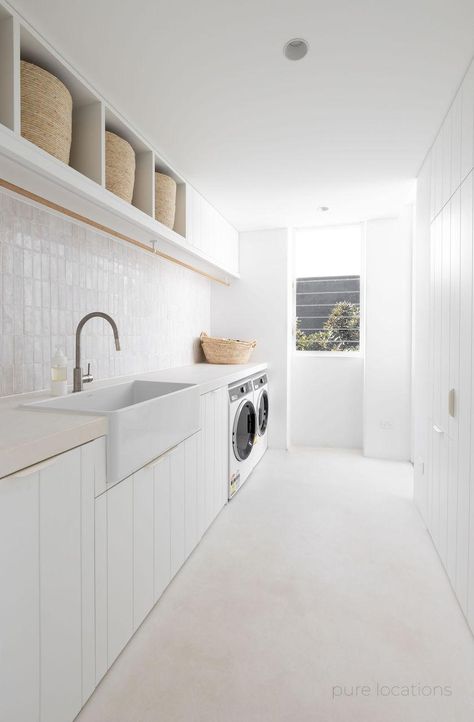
(339, 333)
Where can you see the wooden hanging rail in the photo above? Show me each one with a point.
(104, 229)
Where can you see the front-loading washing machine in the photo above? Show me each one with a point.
(243, 430)
(261, 403)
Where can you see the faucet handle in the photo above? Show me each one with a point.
(87, 378)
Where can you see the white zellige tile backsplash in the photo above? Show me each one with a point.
(54, 271)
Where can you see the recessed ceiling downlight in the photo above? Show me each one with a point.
(296, 49)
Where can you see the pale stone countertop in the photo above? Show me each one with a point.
(28, 437)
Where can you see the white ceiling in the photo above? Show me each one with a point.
(267, 140)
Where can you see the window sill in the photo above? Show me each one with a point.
(329, 354)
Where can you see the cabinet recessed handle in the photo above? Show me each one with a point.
(452, 402)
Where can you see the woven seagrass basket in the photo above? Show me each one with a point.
(119, 166)
(165, 199)
(46, 111)
(226, 350)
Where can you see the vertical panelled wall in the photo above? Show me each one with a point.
(443, 345)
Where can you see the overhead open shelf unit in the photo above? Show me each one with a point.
(201, 237)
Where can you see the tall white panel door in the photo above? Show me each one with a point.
(119, 567)
(465, 396)
(143, 544)
(177, 493)
(444, 381)
(19, 597)
(437, 432)
(452, 391)
(60, 588)
(190, 493)
(162, 503)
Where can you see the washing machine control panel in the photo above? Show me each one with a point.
(236, 392)
(261, 381)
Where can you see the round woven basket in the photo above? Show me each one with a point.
(46, 111)
(119, 166)
(165, 199)
(226, 350)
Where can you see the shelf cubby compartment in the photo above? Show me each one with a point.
(9, 71)
(87, 148)
(180, 218)
(144, 189)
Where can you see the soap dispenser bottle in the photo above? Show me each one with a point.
(59, 373)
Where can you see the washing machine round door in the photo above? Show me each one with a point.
(262, 412)
(243, 433)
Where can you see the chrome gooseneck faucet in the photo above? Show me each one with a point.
(79, 379)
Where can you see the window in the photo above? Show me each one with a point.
(327, 285)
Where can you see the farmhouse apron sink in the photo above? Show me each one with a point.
(145, 419)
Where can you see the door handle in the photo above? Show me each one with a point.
(437, 429)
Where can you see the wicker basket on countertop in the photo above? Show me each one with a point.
(165, 199)
(119, 166)
(46, 111)
(226, 350)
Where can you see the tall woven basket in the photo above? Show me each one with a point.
(226, 350)
(119, 166)
(165, 199)
(46, 111)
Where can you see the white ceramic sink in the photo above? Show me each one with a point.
(145, 419)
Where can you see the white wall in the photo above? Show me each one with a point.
(257, 306)
(387, 374)
(54, 271)
(326, 401)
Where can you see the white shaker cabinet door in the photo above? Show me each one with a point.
(177, 493)
(162, 575)
(143, 544)
(60, 588)
(119, 566)
(19, 598)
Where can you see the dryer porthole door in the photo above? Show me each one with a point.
(243, 433)
(262, 413)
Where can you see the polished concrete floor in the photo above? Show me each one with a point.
(316, 596)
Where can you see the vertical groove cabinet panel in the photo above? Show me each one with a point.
(92, 456)
(119, 566)
(456, 121)
(162, 532)
(470, 553)
(467, 123)
(19, 598)
(453, 382)
(444, 385)
(446, 134)
(101, 603)
(202, 467)
(191, 496)
(177, 487)
(222, 441)
(143, 544)
(60, 588)
(436, 438)
(464, 400)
